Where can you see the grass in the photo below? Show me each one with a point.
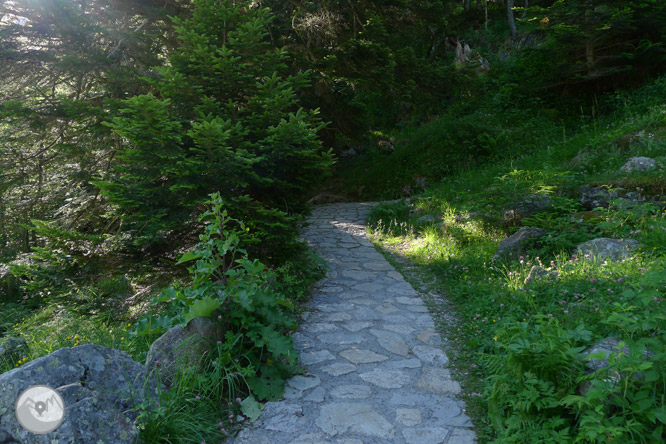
(483, 303)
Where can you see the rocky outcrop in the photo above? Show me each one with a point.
(182, 348)
(101, 389)
(597, 197)
(639, 164)
(608, 248)
(527, 207)
(513, 246)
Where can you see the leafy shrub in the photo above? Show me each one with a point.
(226, 284)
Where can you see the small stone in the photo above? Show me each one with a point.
(378, 266)
(384, 378)
(358, 356)
(429, 336)
(309, 358)
(398, 328)
(317, 395)
(406, 363)
(408, 417)
(359, 275)
(356, 326)
(391, 342)
(431, 355)
(298, 384)
(386, 308)
(639, 164)
(607, 248)
(339, 368)
(437, 380)
(426, 435)
(282, 417)
(408, 301)
(418, 308)
(352, 391)
(321, 327)
(337, 317)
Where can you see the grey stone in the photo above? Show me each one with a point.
(322, 327)
(527, 206)
(429, 336)
(360, 419)
(514, 245)
(282, 417)
(359, 275)
(398, 328)
(639, 164)
(299, 384)
(406, 363)
(386, 378)
(357, 356)
(408, 301)
(431, 355)
(536, 274)
(426, 435)
(427, 219)
(310, 438)
(462, 436)
(391, 342)
(182, 348)
(597, 197)
(339, 368)
(438, 381)
(315, 357)
(607, 248)
(301, 341)
(337, 317)
(408, 417)
(341, 338)
(102, 389)
(386, 308)
(449, 412)
(353, 391)
(316, 395)
(356, 326)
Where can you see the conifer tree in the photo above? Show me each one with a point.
(224, 118)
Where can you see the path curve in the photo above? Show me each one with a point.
(376, 373)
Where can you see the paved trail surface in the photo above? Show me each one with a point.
(375, 371)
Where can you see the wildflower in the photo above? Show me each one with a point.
(238, 400)
(566, 311)
(198, 398)
(224, 431)
(550, 315)
(495, 338)
(157, 363)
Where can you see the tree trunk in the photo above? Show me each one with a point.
(485, 5)
(512, 19)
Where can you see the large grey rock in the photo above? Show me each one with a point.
(12, 349)
(605, 348)
(527, 207)
(513, 246)
(597, 197)
(639, 164)
(101, 388)
(608, 248)
(182, 348)
(537, 273)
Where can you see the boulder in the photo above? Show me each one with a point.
(639, 164)
(181, 348)
(527, 207)
(427, 219)
(597, 197)
(12, 349)
(101, 388)
(606, 347)
(537, 273)
(608, 248)
(513, 246)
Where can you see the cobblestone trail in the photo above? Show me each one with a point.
(375, 371)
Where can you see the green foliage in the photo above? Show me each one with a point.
(226, 284)
(248, 140)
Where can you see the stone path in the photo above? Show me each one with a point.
(375, 371)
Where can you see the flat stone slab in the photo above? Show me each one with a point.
(361, 419)
(374, 370)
